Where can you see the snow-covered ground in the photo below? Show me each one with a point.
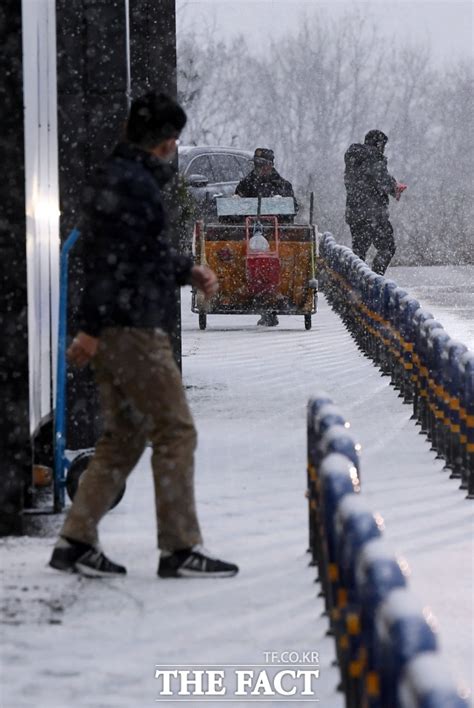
(446, 291)
(68, 642)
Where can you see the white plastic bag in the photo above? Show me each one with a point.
(258, 243)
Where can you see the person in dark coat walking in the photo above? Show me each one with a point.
(368, 187)
(131, 273)
(265, 181)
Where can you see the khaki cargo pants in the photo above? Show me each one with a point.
(142, 399)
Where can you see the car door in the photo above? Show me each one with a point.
(200, 165)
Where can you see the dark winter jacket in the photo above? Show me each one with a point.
(368, 183)
(269, 185)
(130, 269)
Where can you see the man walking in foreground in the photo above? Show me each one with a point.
(368, 186)
(130, 277)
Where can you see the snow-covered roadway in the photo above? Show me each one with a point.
(73, 643)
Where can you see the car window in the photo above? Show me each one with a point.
(245, 163)
(226, 168)
(201, 165)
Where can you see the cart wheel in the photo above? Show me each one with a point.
(77, 468)
(307, 321)
(202, 320)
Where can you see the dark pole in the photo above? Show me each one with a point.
(94, 69)
(15, 457)
(153, 67)
(92, 107)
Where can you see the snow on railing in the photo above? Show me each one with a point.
(432, 372)
(386, 647)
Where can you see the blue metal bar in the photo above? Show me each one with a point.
(60, 463)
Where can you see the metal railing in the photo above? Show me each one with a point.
(432, 372)
(386, 648)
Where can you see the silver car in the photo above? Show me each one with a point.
(212, 172)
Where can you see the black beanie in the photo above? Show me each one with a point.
(154, 118)
(374, 137)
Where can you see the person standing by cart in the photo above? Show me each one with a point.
(265, 181)
(368, 187)
(130, 277)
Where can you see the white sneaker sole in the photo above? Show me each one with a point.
(88, 572)
(62, 569)
(189, 573)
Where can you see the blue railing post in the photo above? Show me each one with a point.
(467, 420)
(60, 411)
(401, 633)
(313, 436)
(378, 572)
(426, 683)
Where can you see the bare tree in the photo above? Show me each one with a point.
(314, 93)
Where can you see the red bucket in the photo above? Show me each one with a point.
(263, 273)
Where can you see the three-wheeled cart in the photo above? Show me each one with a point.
(276, 275)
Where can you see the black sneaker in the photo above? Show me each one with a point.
(193, 563)
(66, 553)
(72, 556)
(269, 319)
(95, 564)
(273, 320)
